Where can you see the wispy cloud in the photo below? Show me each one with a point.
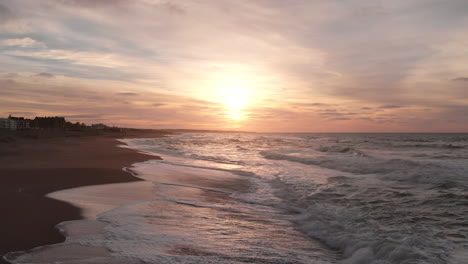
(45, 75)
(305, 62)
(127, 94)
(460, 79)
(23, 42)
(390, 106)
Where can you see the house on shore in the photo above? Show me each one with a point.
(6, 123)
(21, 123)
(15, 123)
(99, 126)
(49, 122)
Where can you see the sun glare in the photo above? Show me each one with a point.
(234, 97)
(235, 93)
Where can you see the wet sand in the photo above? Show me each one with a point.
(175, 214)
(178, 183)
(31, 168)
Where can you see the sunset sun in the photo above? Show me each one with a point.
(235, 98)
(234, 91)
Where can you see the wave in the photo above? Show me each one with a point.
(381, 223)
(339, 149)
(387, 169)
(406, 209)
(363, 244)
(435, 146)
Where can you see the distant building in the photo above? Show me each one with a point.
(6, 123)
(21, 123)
(15, 123)
(52, 122)
(99, 126)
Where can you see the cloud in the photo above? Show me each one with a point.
(327, 54)
(376, 120)
(5, 13)
(390, 106)
(23, 113)
(83, 116)
(91, 3)
(331, 114)
(127, 94)
(460, 79)
(312, 104)
(24, 42)
(45, 75)
(339, 119)
(174, 8)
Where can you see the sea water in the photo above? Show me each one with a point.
(311, 198)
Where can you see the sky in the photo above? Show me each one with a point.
(251, 65)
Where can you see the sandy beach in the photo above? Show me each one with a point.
(31, 168)
(222, 198)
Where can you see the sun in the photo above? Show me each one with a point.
(234, 97)
(235, 93)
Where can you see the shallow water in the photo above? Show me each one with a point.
(286, 198)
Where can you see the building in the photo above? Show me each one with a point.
(21, 123)
(99, 126)
(7, 123)
(15, 123)
(52, 122)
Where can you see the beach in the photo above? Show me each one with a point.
(238, 198)
(31, 168)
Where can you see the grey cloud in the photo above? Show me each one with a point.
(174, 8)
(390, 106)
(158, 104)
(45, 75)
(331, 114)
(11, 75)
(91, 3)
(82, 116)
(10, 82)
(339, 119)
(314, 104)
(5, 14)
(23, 113)
(460, 79)
(127, 94)
(377, 120)
(366, 108)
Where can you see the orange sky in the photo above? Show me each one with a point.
(257, 65)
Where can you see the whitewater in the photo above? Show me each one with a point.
(295, 198)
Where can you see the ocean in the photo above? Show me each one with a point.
(299, 198)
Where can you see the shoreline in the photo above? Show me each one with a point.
(32, 168)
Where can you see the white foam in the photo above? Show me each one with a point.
(96, 199)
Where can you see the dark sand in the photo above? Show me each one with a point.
(31, 168)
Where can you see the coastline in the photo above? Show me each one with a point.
(31, 168)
